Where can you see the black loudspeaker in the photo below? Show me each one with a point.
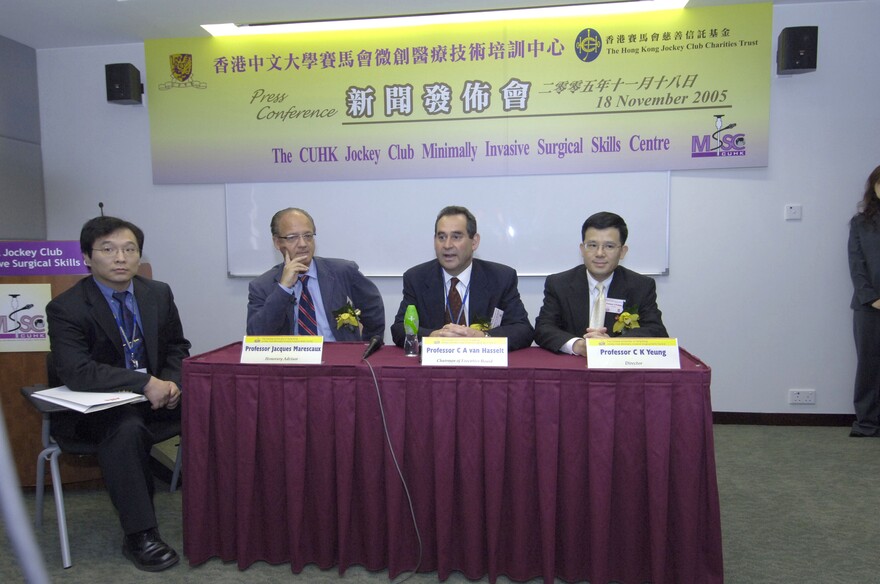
(123, 83)
(796, 50)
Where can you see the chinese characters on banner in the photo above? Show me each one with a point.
(676, 89)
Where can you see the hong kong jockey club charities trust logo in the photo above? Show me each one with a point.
(181, 65)
(719, 143)
(588, 45)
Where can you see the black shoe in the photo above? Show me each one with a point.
(148, 552)
(857, 434)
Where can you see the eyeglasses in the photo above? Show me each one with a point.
(294, 237)
(110, 251)
(455, 237)
(593, 247)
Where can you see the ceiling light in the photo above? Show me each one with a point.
(608, 7)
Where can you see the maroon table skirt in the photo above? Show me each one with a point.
(541, 469)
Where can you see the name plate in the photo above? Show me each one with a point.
(282, 350)
(465, 351)
(632, 353)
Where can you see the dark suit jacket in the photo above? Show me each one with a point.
(565, 313)
(87, 347)
(492, 286)
(271, 310)
(864, 263)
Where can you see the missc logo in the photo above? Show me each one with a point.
(16, 323)
(720, 142)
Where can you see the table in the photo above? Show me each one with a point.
(541, 469)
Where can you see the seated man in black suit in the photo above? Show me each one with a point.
(116, 331)
(275, 299)
(455, 290)
(588, 301)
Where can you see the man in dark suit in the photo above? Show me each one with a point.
(485, 293)
(275, 299)
(587, 301)
(116, 331)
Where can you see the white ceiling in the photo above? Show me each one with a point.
(47, 24)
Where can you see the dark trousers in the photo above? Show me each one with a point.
(124, 442)
(866, 395)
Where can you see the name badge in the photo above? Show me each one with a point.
(632, 353)
(614, 305)
(284, 350)
(465, 351)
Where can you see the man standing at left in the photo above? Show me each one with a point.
(116, 331)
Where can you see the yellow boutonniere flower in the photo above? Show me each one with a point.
(626, 320)
(480, 324)
(347, 316)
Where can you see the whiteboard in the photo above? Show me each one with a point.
(531, 223)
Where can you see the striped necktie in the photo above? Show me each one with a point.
(305, 318)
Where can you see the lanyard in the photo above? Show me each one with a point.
(128, 345)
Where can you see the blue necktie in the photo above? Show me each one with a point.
(133, 344)
(305, 318)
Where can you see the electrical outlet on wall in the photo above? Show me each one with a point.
(802, 396)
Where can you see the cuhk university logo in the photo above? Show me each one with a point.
(181, 69)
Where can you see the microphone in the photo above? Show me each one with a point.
(375, 344)
(101, 207)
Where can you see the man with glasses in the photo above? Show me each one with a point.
(459, 296)
(599, 298)
(117, 331)
(304, 294)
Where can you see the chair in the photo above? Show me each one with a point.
(53, 446)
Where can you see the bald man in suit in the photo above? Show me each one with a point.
(274, 297)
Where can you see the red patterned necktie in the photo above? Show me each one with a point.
(453, 303)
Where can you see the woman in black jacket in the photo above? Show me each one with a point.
(864, 267)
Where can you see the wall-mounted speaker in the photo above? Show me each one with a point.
(123, 83)
(796, 50)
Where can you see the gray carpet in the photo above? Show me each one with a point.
(799, 505)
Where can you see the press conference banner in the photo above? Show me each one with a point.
(675, 89)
